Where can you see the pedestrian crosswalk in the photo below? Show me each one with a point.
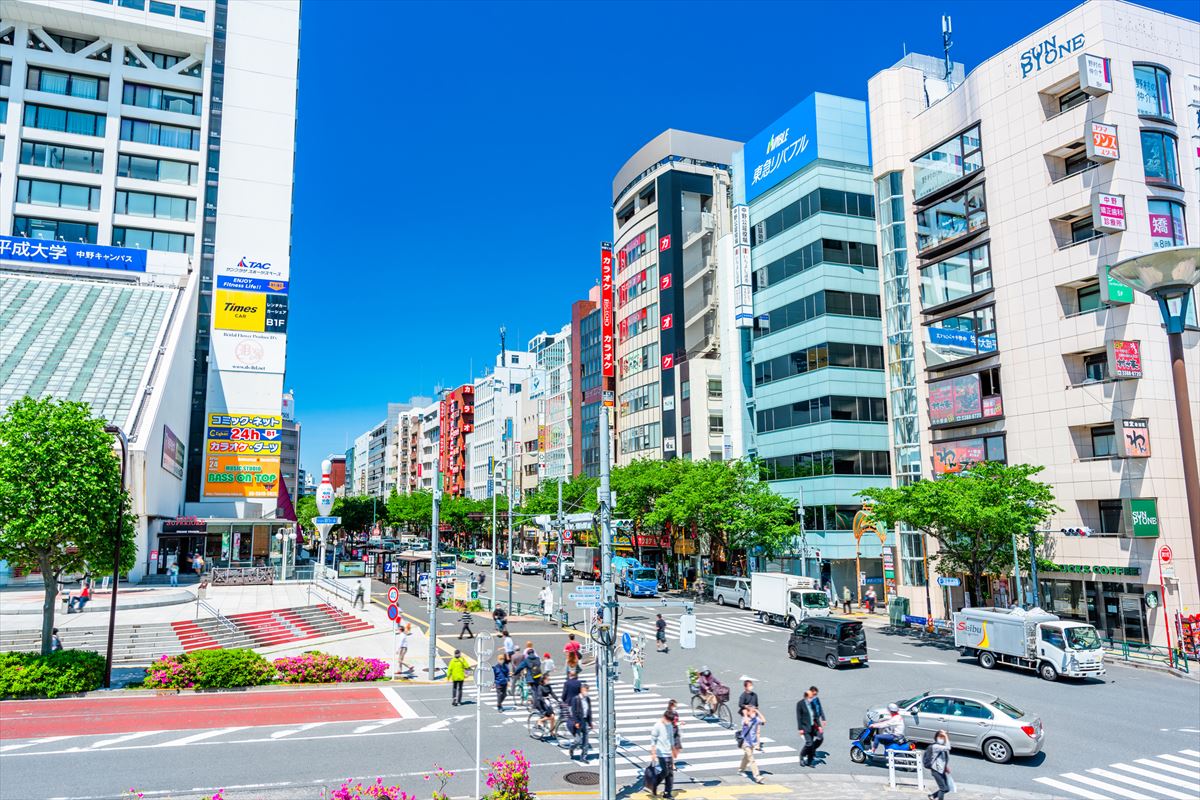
(1172, 775)
(735, 624)
(707, 746)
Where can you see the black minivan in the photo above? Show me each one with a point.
(832, 640)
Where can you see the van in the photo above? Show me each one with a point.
(483, 557)
(832, 640)
(526, 564)
(729, 591)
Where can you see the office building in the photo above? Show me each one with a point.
(496, 402)
(1003, 198)
(586, 383)
(289, 457)
(428, 423)
(550, 391)
(807, 226)
(145, 223)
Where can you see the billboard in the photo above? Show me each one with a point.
(172, 453)
(955, 400)
(608, 348)
(241, 476)
(782, 149)
(1095, 74)
(956, 456)
(1111, 289)
(1108, 212)
(241, 455)
(249, 351)
(1125, 358)
(1102, 142)
(71, 254)
(1135, 438)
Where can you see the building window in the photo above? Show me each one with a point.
(71, 44)
(818, 304)
(716, 423)
(946, 163)
(966, 335)
(642, 437)
(1088, 298)
(5, 73)
(1159, 158)
(1082, 230)
(821, 409)
(831, 201)
(958, 215)
(638, 322)
(639, 399)
(1111, 514)
(57, 156)
(641, 359)
(1078, 162)
(962, 454)
(68, 83)
(136, 130)
(161, 206)
(166, 9)
(685, 425)
(1104, 442)
(139, 5)
(685, 390)
(158, 169)
(1095, 367)
(637, 284)
(715, 389)
(1153, 91)
(136, 94)
(60, 119)
(54, 230)
(960, 276)
(193, 14)
(152, 240)
(1167, 228)
(60, 195)
(825, 462)
(1075, 97)
(821, 251)
(830, 354)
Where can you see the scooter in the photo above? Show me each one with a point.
(862, 740)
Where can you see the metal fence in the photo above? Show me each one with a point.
(1138, 653)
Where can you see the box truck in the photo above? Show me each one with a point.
(783, 599)
(1033, 639)
(634, 578)
(587, 563)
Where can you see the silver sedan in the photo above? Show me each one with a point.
(974, 721)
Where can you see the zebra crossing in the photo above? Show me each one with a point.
(707, 746)
(736, 624)
(1172, 775)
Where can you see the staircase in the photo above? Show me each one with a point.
(143, 643)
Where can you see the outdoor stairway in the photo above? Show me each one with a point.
(143, 643)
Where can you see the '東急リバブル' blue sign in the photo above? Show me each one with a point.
(776, 153)
(71, 254)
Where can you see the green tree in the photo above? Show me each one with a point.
(60, 490)
(641, 483)
(973, 515)
(306, 509)
(579, 496)
(358, 511)
(412, 512)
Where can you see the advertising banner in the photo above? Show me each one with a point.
(241, 453)
(608, 348)
(172, 453)
(1162, 231)
(637, 247)
(955, 400)
(1102, 142)
(1108, 212)
(743, 310)
(231, 420)
(1125, 358)
(250, 311)
(259, 448)
(1143, 517)
(1095, 75)
(741, 225)
(1111, 289)
(241, 284)
(1135, 438)
(71, 254)
(248, 351)
(957, 456)
(241, 476)
(782, 149)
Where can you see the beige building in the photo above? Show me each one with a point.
(1002, 198)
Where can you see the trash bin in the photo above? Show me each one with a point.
(897, 611)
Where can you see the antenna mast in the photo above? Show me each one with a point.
(946, 45)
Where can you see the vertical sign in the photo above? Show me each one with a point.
(1135, 438)
(443, 449)
(1111, 289)
(608, 348)
(1095, 75)
(1108, 212)
(743, 309)
(1125, 358)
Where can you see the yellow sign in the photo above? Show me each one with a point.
(240, 311)
(232, 420)
(241, 476)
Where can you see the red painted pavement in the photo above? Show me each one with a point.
(25, 719)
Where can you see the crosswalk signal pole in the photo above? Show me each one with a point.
(433, 569)
(562, 609)
(608, 743)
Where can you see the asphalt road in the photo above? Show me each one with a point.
(1121, 726)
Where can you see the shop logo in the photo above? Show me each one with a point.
(1141, 517)
(237, 309)
(1047, 52)
(778, 140)
(249, 352)
(254, 265)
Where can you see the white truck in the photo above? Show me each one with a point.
(1033, 639)
(783, 599)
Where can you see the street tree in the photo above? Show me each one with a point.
(413, 512)
(973, 515)
(359, 511)
(60, 495)
(578, 496)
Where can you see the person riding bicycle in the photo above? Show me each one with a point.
(544, 700)
(888, 730)
(531, 665)
(712, 691)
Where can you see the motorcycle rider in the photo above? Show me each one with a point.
(888, 730)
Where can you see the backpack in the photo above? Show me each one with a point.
(927, 758)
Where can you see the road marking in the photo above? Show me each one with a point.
(199, 737)
(31, 743)
(402, 708)
(732, 791)
(1141, 784)
(910, 663)
(1187, 773)
(305, 727)
(1066, 787)
(900, 654)
(765, 639)
(376, 725)
(1145, 773)
(1130, 794)
(1185, 761)
(126, 738)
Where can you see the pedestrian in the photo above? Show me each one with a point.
(937, 758)
(402, 648)
(55, 642)
(660, 634)
(638, 661)
(360, 595)
(173, 573)
(510, 647)
(809, 727)
(500, 678)
(871, 600)
(199, 564)
(498, 617)
(749, 697)
(572, 646)
(571, 687)
(661, 748)
(672, 713)
(548, 664)
(196, 563)
(80, 600)
(465, 619)
(438, 591)
(748, 739)
(456, 673)
(819, 715)
(845, 599)
(581, 722)
(547, 598)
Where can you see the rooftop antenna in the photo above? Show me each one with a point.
(946, 45)
(503, 330)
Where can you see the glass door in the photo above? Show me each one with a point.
(1133, 621)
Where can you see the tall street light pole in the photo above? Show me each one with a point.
(112, 604)
(510, 449)
(492, 462)
(608, 600)
(1169, 275)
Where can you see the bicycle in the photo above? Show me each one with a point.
(700, 709)
(541, 730)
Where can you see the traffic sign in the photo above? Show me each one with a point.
(626, 642)
(567, 536)
(327, 520)
(393, 595)
(1164, 554)
(393, 611)
(587, 603)
(945, 580)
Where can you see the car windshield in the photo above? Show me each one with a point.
(911, 700)
(1007, 708)
(644, 574)
(1083, 638)
(816, 600)
(852, 633)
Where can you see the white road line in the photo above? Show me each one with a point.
(1066, 787)
(900, 654)
(199, 737)
(1142, 784)
(1195, 753)
(727, 765)
(1185, 761)
(44, 740)
(1187, 773)
(402, 708)
(1155, 776)
(377, 725)
(305, 727)
(126, 738)
(1108, 787)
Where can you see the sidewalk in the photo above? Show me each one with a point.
(818, 786)
(23, 601)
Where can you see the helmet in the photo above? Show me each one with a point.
(892, 707)
(706, 672)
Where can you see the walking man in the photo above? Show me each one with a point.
(500, 678)
(360, 595)
(638, 661)
(547, 599)
(660, 634)
(749, 697)
(752, 721)
(661, 746)
(402, 649)
(456, 673)
(173, 573)
(465, 619)
(581, 722)
(845, 599)
(806, 722)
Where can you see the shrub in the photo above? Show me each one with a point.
(371, 791)
(210, 669)
(316, 667)
(63, 672)
(467, 605)
(509, 777)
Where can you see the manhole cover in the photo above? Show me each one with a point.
(582, 778)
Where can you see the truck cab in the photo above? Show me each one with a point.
(633, 578)
(807, 603)
(1069, 648)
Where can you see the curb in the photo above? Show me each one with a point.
(102, 694)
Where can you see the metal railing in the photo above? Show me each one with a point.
(217, 615)
(1138, 653)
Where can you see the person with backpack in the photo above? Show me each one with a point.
(500, 678)
(936, 759)
(748, 738)
(499, 615)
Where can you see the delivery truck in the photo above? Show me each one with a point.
(587, 563)
(634, 578)
(1033, 639)
(783, 599)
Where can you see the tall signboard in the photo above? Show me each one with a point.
(608, 343)
(743, 308)
(782, 149)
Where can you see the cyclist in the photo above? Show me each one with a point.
(711, 689)
(544, 700)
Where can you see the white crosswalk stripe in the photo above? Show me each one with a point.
(1173, 775)
(707, 747)
(737, 624)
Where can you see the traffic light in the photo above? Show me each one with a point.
(1084, 531)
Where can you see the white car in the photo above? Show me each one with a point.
(526, 564)
(483, 557)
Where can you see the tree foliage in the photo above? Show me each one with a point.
(60, 490)
(578, 496)
(412, 513)
(973, 515)
(358, 512)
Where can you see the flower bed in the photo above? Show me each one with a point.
(317, 667)
(234, 668)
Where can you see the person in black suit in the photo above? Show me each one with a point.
(581, 722)
(808, 721)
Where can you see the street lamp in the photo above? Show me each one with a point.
(1169, 275)
(283, 540)
(112, 603)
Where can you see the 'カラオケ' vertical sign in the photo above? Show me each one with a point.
(608, 345)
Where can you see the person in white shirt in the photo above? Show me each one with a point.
(890, 729)
(662, 742)
(402, 648)
(547, 598)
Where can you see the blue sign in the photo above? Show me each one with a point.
(914, 620)
(327, 520)
(626, 642)
(778, 152)
(947, 581)
(71, 254)
(873, 580)
(238, 283)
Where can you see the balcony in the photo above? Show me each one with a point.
(692, 234)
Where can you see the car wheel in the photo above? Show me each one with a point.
(858, 755)
(997, 751)
(831, 661)
(987, 660)
(1048, 672)
(792, 653)
(742, 603)
(720, 599)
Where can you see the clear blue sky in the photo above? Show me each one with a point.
(455, 160)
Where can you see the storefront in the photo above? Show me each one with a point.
(221, 542)
(1111, 597)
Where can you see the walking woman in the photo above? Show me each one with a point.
(939, 765)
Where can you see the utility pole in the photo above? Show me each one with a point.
(433, 540)
(492, 468)
(608, 712)
(559, 566)
(509, 449)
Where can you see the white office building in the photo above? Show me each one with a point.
(497, 400)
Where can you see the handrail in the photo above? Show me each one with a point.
(336, 588)
(314, 590)
(217, 615)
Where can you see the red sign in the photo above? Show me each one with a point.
(957, 456)
(652, 540)
(608, 349)
(667, 321)
(393, 594)
(1165, 555)
(668, 361)
(665, 281)
(1125, 358)
(664, 243)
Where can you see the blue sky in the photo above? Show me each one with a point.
(455, 160)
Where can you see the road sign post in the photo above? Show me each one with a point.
(1166, 565)
(483, 651)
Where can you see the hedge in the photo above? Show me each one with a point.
(62, 672)
(235, 668)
